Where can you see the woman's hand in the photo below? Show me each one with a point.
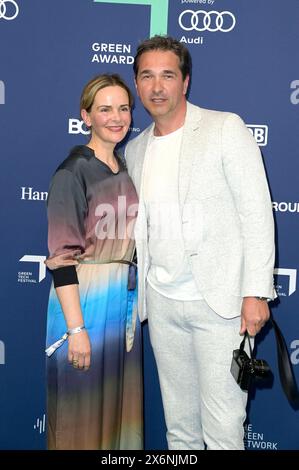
(79, 348)
(79, 351)
(60, 261)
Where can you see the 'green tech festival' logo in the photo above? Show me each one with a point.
(159, 13)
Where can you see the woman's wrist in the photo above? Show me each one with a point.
(77, 329)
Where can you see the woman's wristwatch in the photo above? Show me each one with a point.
(263, 298)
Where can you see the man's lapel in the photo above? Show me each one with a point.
(138, 169)
(189, 149)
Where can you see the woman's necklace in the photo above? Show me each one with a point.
(113, 166)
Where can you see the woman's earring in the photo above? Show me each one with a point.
(86, 129)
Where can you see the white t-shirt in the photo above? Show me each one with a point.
(170, 272)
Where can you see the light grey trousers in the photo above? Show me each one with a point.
(193, 347)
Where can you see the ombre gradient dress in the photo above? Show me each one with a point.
(92, 209)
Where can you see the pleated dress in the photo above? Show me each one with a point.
(93, 210)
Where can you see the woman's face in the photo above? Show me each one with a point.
(110, 115)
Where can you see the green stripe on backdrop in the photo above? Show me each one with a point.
(159, 13)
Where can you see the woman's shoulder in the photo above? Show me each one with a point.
(77, 158)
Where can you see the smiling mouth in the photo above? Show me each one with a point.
(115, 128)
(158, 100)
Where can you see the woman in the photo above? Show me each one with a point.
(94, 371)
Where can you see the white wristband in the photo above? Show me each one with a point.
(73, 331)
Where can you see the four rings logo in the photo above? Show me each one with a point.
(9, 9)
(212, 21)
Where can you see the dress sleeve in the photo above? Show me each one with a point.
(67, 210)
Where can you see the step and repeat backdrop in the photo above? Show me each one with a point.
(245, 60)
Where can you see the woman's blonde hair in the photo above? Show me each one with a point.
(98, 83)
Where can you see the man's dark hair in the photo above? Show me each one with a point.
(165, 43)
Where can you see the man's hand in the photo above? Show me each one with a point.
(254, 314)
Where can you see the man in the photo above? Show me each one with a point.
(205, 247)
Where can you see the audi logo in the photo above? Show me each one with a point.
(5, 5)
(202, 20)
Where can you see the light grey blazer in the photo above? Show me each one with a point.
(221, 171)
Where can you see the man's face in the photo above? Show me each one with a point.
(160, 84)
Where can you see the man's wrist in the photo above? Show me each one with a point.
(263, 299)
